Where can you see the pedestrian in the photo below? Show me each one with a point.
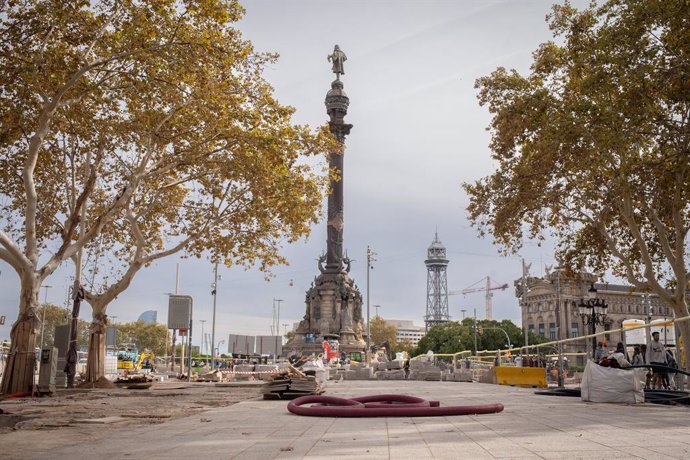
(648, 375)
(600, 353)
(619, 356)
(637, 358)
(656, 356)
(670, 381)
(406, 367)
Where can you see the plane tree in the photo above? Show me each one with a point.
(383, 333)
(151, 336)
(137, 130)
(592, 146)
(456, 336)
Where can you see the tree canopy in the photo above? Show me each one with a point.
(60, 316)
(151, 336)
(594, 144)
(455, 336)
(137, 130)
(382, 332)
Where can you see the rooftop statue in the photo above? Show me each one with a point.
(338, 58)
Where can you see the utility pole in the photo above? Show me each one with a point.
(78, 294)
(214, 292)
(275, 328)
(476, 353)
(370, 261)
(174, 331)
(202, 321)
(648, 313)
(43, 320)
(559, 327)
(273, 318)
(525, 269)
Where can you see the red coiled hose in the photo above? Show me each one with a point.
(382, 406)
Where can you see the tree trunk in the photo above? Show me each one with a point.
(684, 329)
(95, 363)
(21, 361)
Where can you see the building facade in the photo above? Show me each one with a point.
(407, 331)
(549, 307)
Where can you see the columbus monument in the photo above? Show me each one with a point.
(333, 302)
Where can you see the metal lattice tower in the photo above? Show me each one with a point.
(436, 284)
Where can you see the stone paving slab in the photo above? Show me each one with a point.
(531, 426)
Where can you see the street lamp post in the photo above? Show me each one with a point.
(593, 312)
(218, 347)
(370, 261)
(213, 324)
(43, 319)
(275, 328)
(510, 346)
(203, 337)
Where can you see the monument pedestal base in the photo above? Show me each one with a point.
(334, 312)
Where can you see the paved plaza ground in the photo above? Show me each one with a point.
(531, 426)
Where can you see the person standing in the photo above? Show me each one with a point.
(656, 355)
(648, 375)
(670, 376)
(637, 358)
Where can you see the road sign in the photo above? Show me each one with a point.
(179, 311)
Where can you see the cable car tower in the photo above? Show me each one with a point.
(436, 284)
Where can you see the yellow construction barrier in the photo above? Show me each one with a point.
(531, 377)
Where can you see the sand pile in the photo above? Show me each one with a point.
(102, 382)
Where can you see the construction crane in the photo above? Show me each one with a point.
(487, 288)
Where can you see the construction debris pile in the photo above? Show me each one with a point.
(134, 380)
(291, 383)
(239, 372)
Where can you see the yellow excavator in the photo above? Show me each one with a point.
(127, 356)
(130, 360)
(146, 361)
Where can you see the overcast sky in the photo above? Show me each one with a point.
(418, 135)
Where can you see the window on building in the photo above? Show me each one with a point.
(541, 329)
(607, 327)
(552, 331)
(530, 328)
(574, 330)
